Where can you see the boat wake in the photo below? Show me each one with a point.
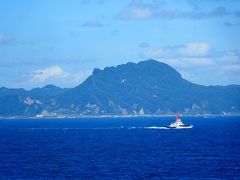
(156, 127)
(167, 127)
(150, 127)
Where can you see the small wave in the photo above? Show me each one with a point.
(134, 127)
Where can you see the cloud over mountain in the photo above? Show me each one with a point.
(42, 75)
(193, 49)
(197, 61)
(58, 76)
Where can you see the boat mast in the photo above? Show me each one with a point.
(177, 116)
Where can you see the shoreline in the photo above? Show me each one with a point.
(114, 116)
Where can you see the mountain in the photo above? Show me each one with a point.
(19, 102)
(148, 87)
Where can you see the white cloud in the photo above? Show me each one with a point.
(42, 75)
(188, 62)
(57, 76)
(195, 49)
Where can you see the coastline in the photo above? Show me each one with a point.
(115, 116)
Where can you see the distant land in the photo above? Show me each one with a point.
(145, 88)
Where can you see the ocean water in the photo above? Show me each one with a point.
(120, 148)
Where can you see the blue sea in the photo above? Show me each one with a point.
(120, 148)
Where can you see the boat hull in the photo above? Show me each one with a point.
(180, 127)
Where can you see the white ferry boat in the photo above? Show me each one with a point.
(178, 124)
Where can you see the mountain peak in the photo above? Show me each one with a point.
(149, 61)
(96, 70)
(148, 67)
(145, 73)
(50, 87)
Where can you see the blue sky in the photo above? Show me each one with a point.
(60, 42)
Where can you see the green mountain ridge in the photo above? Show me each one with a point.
(148, 87)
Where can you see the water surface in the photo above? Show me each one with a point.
(113, 148)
